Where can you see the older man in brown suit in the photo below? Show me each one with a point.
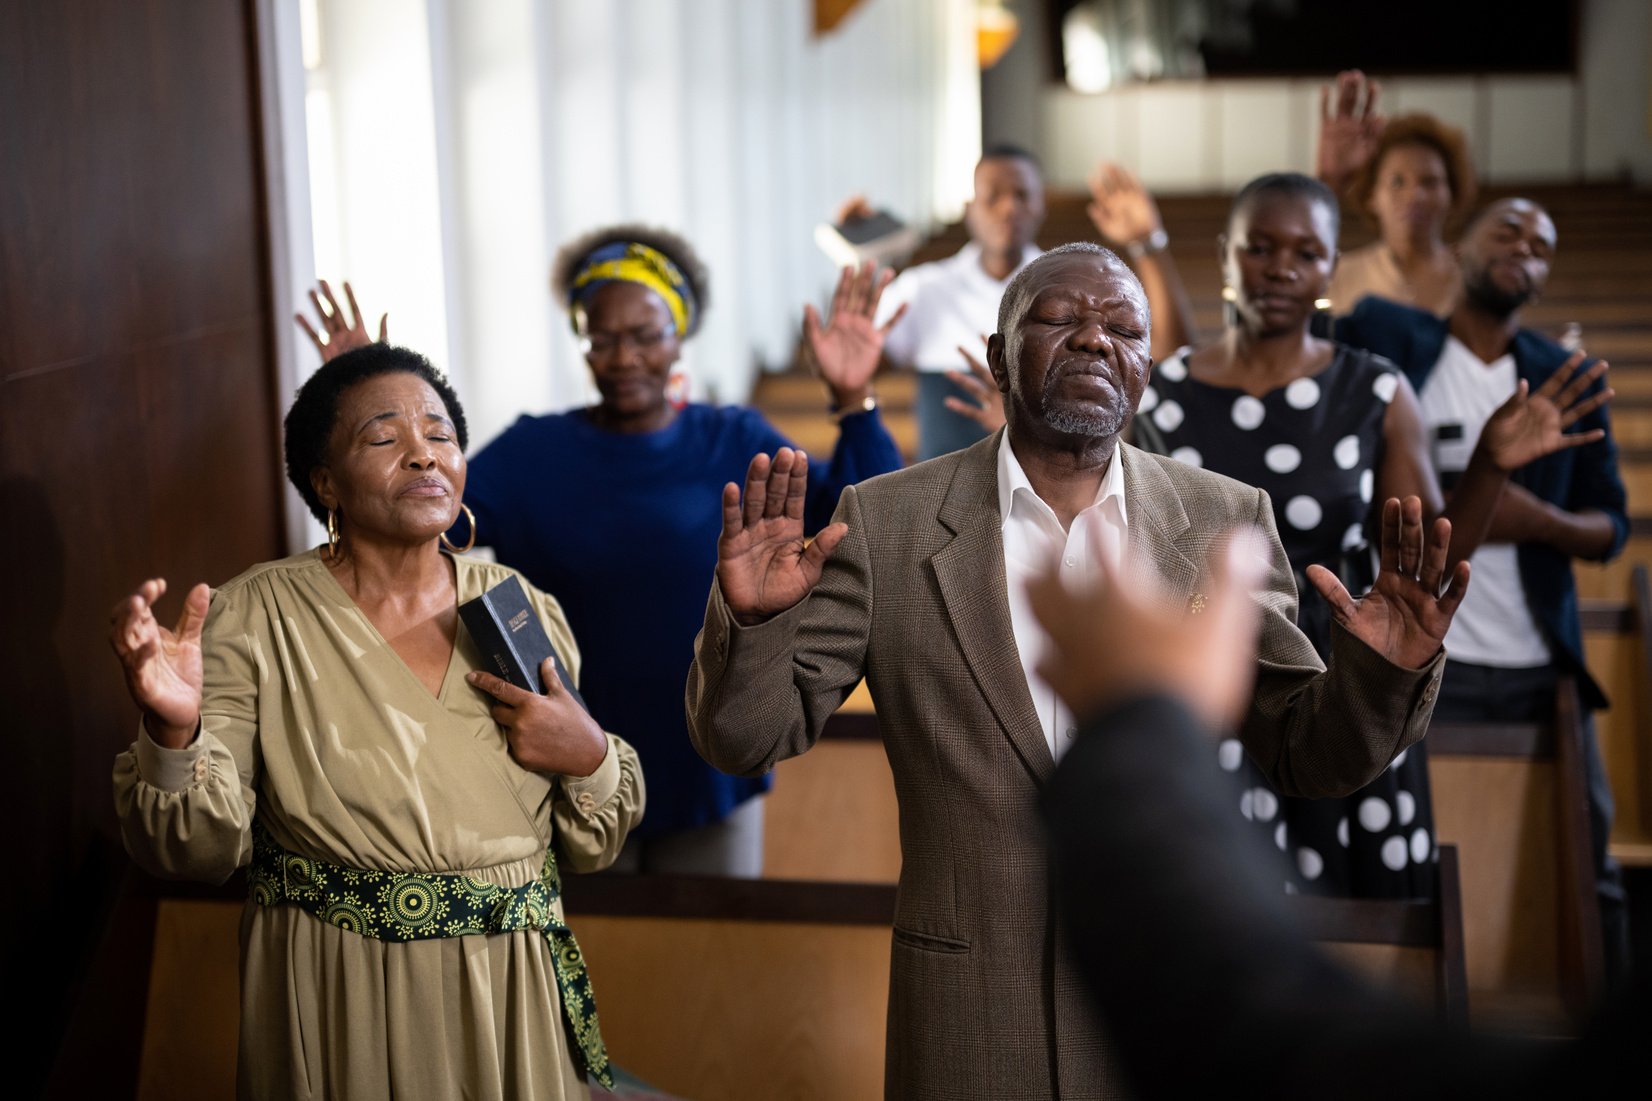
(918, 588)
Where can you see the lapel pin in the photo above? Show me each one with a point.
(1196, 603)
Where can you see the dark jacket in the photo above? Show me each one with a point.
(1207, 983)
(1575, 479)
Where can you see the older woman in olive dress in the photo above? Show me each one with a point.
(325, 720)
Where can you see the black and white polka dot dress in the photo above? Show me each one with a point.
(1314, 446)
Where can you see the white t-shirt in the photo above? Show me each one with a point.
(1494, 625)
(948, 303)
(1033, 539)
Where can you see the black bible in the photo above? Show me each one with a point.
(507, 631)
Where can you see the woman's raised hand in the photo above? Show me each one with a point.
(338, 333)
(764, 566)
(1120, 208)
(1349, 126)
(1531, 425)
(163, 668)
(848, 346)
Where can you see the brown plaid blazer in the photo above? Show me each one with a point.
(982, 1002)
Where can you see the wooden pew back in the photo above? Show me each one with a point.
(1512, 798)
(716, 988)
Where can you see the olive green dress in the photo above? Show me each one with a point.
(310, 718)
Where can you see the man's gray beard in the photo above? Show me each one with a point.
(1096, 424)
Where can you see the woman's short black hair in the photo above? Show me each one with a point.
(310, 421)
(1292, 185)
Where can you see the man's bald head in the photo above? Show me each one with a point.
(1071, 352)
(1028, 281)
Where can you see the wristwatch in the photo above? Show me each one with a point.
(865, 405)
(1157, 241)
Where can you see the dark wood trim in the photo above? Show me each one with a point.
(1640, 525)
(684, 896)
(1405, 922)
(1530, 740)
(1608, 617)
(719, 898)
(1582, 953)
(853, 724)
(1453, 962)
(1640, 585)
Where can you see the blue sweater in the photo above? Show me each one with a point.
(622, 530)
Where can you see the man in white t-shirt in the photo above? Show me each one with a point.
(953, 303)
(1518, 631)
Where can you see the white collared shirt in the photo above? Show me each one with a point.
(1033, 539)
(949, 302)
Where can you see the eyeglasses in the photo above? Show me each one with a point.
(605, 345)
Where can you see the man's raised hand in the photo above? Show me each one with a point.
(764, 566)
(1405, 615)
(1531, 425)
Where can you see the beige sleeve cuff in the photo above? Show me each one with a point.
(172, 769)
(589, 794)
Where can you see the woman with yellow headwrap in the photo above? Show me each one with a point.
(614, 509)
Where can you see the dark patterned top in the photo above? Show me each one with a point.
(1313, 445)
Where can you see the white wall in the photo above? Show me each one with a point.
(1214, 135)
(470, 138)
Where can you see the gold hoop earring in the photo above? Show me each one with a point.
(333, 539)
(1230, 293)
(471, 516)
(1322, 303)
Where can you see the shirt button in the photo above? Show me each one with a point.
(1072, 732)
(1071, 561)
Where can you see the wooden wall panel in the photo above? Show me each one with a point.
(194, 1015)
(138, 436)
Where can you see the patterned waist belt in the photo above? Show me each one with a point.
(402, 906)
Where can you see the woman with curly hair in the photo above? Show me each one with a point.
(613, 509)
(1413, 178)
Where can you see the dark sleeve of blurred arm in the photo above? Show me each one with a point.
(1181, 929)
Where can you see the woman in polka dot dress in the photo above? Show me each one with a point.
(1325, 429)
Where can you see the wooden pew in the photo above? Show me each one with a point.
(711, 988)
(1618, 644)
(832, 814)
(1512, 798)
(718, 988)
(1413, 946)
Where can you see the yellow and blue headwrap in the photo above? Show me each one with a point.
(634, 262)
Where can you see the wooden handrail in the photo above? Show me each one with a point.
(1482, 739)
(1641, 588)
(1453, 959)
(1583, 953)
(718, 897)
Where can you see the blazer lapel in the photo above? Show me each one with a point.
(1157, 525)
(970, 573)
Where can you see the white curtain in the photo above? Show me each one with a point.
(454, 144)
